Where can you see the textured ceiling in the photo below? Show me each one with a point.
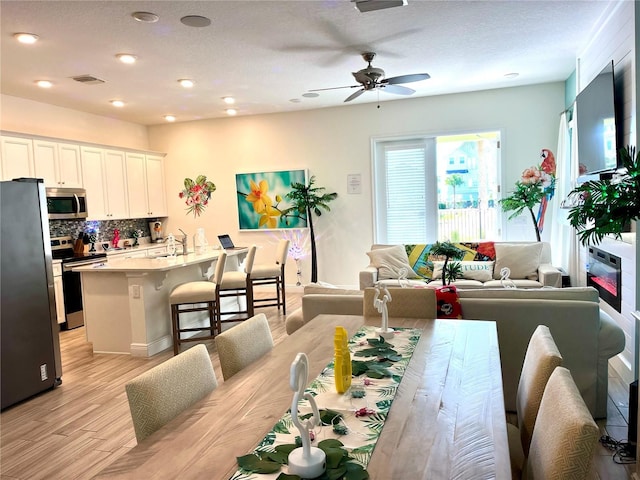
(267, 54)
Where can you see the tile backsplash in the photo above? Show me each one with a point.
(104, 229)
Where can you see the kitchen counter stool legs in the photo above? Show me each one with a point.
(197, 296)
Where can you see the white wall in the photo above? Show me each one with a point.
(335, 142)
(27, 116)
(616, 41)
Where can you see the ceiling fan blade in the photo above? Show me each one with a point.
(354, 95)
(398, 89)
(334, 88)
(416, 77)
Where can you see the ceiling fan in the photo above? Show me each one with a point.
(372, 78)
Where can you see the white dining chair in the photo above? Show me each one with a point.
(243, 344)
(272, 274)
(197, 296)
(158, 395)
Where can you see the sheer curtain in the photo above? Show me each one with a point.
(562, 236)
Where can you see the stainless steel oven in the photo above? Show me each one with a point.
(61, 248)
(66, 203)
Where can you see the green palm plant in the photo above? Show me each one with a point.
(447, 250)
(305, 200)
(607, 205)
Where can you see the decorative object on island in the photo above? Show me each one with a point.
(380, 304)
(156, 230)
(305, 461)
(448, 250)
(305, 200)
(263, 206)
(136, 234)
(197, 194)
(93, 238)
(606, 206)
(115, 242)
(536, 186)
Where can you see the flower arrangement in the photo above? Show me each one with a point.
(536, 186)
(197, 194)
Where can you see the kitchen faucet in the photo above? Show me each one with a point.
(183, 242)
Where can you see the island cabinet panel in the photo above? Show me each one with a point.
(16, 159)
(104, 179)
(59, 164)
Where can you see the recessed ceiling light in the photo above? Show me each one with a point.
(294, 100)
(229, 100)
(231, 111)
(26, 37)
(310, 95)
(170, 118)
(186, 83)
(126, 58)
(145, 17)
(117, 103)
(511, 75)
(44, 83)
(195, 21)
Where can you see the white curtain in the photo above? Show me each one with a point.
(562, 235)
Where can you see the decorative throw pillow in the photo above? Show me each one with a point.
(522, 259)
(480, 271)
(389, 261)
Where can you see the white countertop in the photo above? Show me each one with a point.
(161, 264)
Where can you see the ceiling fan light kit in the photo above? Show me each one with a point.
(371, 5)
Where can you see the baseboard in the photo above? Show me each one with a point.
(150, 349)
(622, 369)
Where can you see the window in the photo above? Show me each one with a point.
(422, 195)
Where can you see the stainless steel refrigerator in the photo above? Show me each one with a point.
(30, 347)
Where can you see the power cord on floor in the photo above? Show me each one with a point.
(623, 452)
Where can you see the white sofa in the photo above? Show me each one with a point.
(529, 263)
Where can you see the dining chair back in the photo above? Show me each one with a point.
(405, 303)
(565, 436)
(272, 274)
(237, 283)
(197, 296)
(158, 395)
(243, 344)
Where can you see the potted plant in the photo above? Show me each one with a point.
(307, 199)
(607, 205)
(448, 250)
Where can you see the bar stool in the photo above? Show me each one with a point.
(237, 283)
(197, 296)
(272, 274)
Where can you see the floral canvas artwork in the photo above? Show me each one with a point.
(262, 200)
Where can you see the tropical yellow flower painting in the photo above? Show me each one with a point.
(262, 203)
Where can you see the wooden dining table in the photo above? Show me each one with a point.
(447, 420)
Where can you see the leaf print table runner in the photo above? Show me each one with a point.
(362, 409)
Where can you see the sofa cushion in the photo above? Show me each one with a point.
(588, 294)
(481, 271)
(327, 288)
(389, 261)
(521, 259)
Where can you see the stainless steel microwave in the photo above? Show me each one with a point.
(66, 203)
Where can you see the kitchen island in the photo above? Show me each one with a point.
(126, 301)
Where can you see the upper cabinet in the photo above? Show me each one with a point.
(58, 164)
(105, 180)
(16, 159)
(145, 185)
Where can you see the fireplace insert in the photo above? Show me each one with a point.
(604, 274)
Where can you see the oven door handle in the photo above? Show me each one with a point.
(70, 266)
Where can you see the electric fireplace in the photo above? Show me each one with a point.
(604, 274)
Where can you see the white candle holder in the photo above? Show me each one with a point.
(305, 461)
(381, 305)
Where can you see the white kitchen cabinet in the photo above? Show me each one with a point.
(104, 178)
(16, 159)
(59, 294)
(59, 164)
(145, 186)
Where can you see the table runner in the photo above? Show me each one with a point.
(363, 417)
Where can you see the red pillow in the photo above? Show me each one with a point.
(447, 304)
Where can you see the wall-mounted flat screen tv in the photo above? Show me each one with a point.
(596, 121)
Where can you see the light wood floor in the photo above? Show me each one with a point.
(75, 430)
